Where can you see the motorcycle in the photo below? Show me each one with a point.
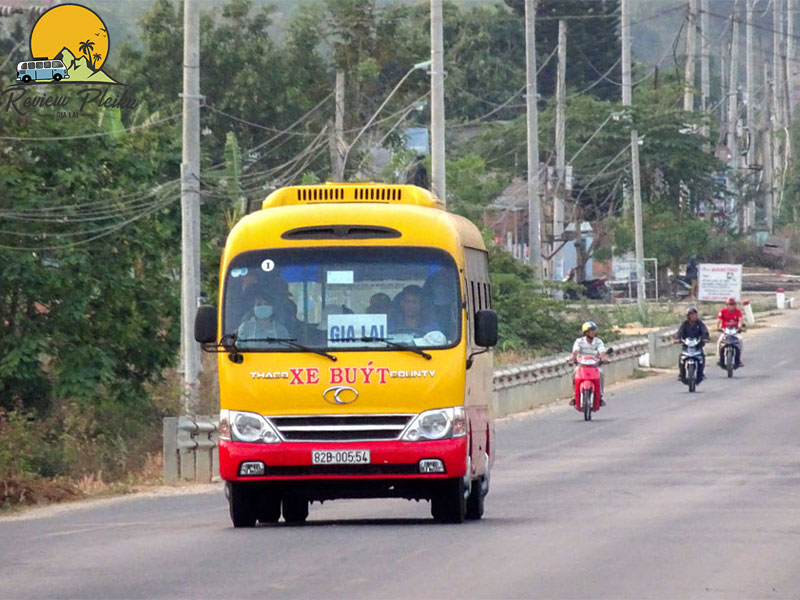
(594, 289)
(729, 348)
(681, 286)
(691, 357)
(587, 386)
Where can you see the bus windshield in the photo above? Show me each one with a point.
(342, 299)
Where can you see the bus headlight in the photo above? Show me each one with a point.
(437, 424)
(248, 427)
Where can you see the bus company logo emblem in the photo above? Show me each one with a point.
(340, 394)
(68, 42)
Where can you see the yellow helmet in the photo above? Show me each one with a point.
(587, 326)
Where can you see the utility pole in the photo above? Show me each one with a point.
(787, 59)
(438, 183)
(767, 153)
(531, 99)
(750, 72)
(777, 71)
(190, 203)
(339, 147)
(627, 100)
(558, 198)
(792, 6)
(724, 93)
(691, 53)
(733, 96)
(705, 74)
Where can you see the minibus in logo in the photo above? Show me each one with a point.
(41, 69)
(373, 305)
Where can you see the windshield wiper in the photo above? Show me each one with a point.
(289, 342)
(397, 345)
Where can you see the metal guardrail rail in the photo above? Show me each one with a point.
(190, 448)
(556, 366)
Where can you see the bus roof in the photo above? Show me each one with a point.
(352, 192)
(415, 214)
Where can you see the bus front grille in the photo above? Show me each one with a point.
(345, 428)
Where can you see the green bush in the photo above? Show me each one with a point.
(74, 440)
(527, 319)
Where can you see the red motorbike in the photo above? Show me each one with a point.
(587, 386)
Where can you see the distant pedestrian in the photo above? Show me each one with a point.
(691, 276)
(417, 173)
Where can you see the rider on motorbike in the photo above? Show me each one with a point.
(589, 345)
(692, 327)
(730, 316)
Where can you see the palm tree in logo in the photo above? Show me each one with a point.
(97, 58)
(86, 48)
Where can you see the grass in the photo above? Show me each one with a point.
(22, 491)
(643, 373)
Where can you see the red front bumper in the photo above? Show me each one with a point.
(291, 461)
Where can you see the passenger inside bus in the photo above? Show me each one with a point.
(261, 324)
(287, 315)
(408, 315)
(250, 281)
(379, 303)
(440, 297)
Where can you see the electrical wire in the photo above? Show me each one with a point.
(256, 125)
(96, 234)
(91, 135)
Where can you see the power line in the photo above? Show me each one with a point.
(91, 135)
(103, 232)
(743, 21)
(256, 125)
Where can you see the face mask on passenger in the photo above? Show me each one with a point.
(262, 311)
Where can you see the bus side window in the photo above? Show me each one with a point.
(23, 66)
(48, 65)
(40, 65)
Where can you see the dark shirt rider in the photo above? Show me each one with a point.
(693, 327)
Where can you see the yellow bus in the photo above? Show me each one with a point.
(354, 336)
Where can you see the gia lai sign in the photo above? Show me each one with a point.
(719, 282)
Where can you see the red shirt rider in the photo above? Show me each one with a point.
(730, 316)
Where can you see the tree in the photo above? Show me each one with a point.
(671, 237)
(593, 46)
(526, 319)
(86, 48)
(88, 297)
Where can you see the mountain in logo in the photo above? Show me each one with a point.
(78, 69)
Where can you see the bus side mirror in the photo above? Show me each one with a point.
(205, 324)
(486, 328)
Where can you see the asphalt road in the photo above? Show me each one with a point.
(664, 495)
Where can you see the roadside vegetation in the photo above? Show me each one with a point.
(90, 227)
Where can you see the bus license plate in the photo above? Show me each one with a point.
(340, 457)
